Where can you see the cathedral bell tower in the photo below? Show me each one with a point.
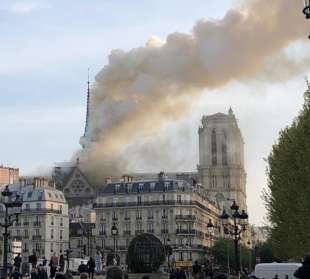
(221, 159)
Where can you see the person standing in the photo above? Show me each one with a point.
(61, 263)
(53, 265)
(98, 260)
(17, 262)
(304, 271)
(196, 269)
(91, 268)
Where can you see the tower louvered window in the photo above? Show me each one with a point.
(224, 149)
(213, 148)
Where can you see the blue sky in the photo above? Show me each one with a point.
(47, 46)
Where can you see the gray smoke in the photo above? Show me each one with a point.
(138, 92)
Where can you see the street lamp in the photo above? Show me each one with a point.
(235, 229)
(306, 10)
(9, 219)
(114, 233)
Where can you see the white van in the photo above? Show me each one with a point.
(270, 270)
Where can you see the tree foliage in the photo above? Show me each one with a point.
(288, 195)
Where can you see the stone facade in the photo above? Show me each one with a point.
(175, 211)
(221, 159)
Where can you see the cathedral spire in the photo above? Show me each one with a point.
(87, 107)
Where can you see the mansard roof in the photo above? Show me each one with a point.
(145, 186)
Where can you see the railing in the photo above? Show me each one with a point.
(180, 231)
(36, 237)
(26, 223)
(114, 218)
(102, 233)
(26, 236)
(150, 231)
(185, 217)
(150, 217)
(127, 218)
(36, 224)
(164, 217)
(139, 231)
(127, 232)
(139, 218)
(151, 203)
(41, 210)
(164, 231)
(17, 237)
(17, 224)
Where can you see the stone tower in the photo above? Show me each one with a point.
(221, 159)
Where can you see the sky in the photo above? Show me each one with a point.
(46, 48)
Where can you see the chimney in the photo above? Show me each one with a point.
(161, 176)
(127, 178)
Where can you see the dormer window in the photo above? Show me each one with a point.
(129, 187)
(166, 186)
(117, 187)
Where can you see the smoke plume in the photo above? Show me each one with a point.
(138, 92)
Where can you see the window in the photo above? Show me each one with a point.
(163, 198)
(60, 234)
(52, 233)
(150, 214)
(226, 182)
(38, 247)
(224, 149)
(166, 186)
(152, 186)
(150, 227)
(60, 208)
(138, 215)
(127, 214)
(127, 227)
(49, 195)
(38, 205)
(117, 187)
(52, 206)
(139, 198)
(52, 220)
(179, 199)
(164, 214)
(140, 187)
(129, 187)
(114, 215)
(29, 195)
(127, 242)
(214, 182)
(26, 233)
(52, 247)
(27, 206)
(60, 247)
(213, 148)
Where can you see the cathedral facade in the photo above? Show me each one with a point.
(221, 159)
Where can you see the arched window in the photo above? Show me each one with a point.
(213, 148)
(224, 149)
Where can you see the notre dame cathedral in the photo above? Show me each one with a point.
(221, 159)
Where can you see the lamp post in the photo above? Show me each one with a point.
(210, 228)
(306, 10)
(114, 233)
(9, 219)
(235, 229)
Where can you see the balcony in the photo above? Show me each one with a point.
(186, 231)
(150, 217)
(102, 233)
(25, 236)
(114, 218)
(17, 237)
(139, 231)
(139, 218)
(26, 223)
(127, 218)
(36, 237)
(164, 217)
(36, 224)
(127, 232)
(185, 217)
(17, 224)
(164, 231)
(41, 210)
(150, 231)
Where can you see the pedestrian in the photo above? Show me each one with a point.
(304, 271)
(17, 262)
(98, 261)
(44, 261)
(34, 273)
(61, 263)
(16, 274)
(42, 273)
(91, 268)
(53, 265)
(196, 270)
(82, 268)
(33, 260)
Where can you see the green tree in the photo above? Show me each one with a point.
(288, 195)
